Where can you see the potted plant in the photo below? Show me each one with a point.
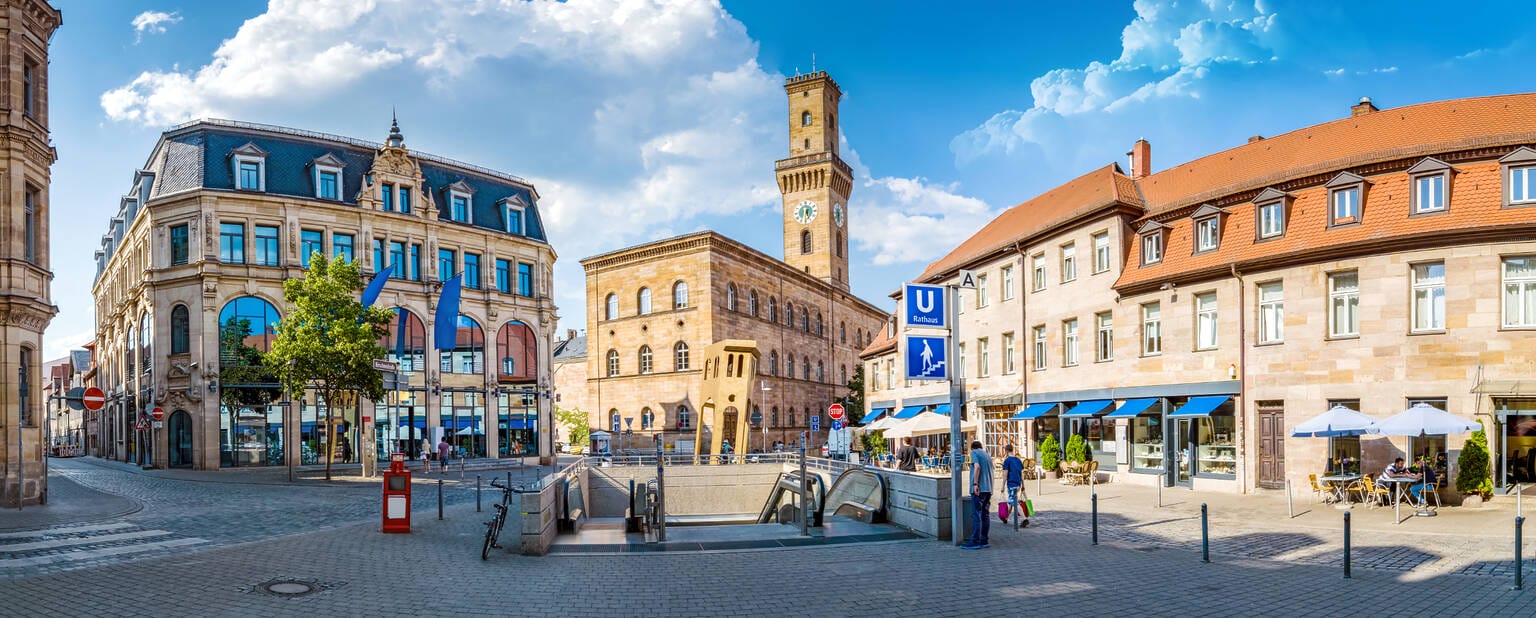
(1077, 449)
(1050, 456)
(1472, 474)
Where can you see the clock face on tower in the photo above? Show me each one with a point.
(837, 214)
(805, 212)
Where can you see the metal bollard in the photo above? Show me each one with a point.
(477, 493)
(439, 498)
(1346, 544)
(1205, 535)
(1519, 559)
(1095, 518)
(1290, 510)
(509, 479)
(1161, 478)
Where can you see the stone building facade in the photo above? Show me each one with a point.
(26, 307)
(653, 308)
(189, 289)
(1373, 262)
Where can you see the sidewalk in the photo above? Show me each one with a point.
(341, 474)
(68, 503)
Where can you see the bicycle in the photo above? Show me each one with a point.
(499, 519)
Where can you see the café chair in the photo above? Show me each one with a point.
(1318, 490)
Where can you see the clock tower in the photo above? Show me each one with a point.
(815, 182)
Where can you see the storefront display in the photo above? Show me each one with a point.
(1147, 443)
(517, 424)
(1217, 447)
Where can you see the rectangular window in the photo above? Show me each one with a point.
(29, 226)
(397, 258)
(378, 257)
(1271, 312)
(1344, 304)
(1100, 252)
(29, 88)
(415, 262)
(387, 197)
(460, 208)
(981, 291)
(1207, 234)
(1037, 263)
(1520, 292)
(266, 245)
(1106, 336)
(1069, 342)
(405, 200)
(447, 264)
(1205, 321)
(232, 243)
(1429, 296)
(1346, 205)
(983, 357)
(1039, 348)
(1272, 219)
(1522, 184)
(503, 276)
(525, 279)
(1429, 193)
(1152, 248)
(179, 249)
(250, 175)
(1008, 351)
(1151, 329)
(1068, 262)
(471, 270)
(514, 220)
(1008, 282)
(328, 187)
(341, 247)
(310, 242)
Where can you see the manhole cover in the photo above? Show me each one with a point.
(289, 587)
(1147, 548)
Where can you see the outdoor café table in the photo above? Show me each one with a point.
(1339, 483)
(1399, 486)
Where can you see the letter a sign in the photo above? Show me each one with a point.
(923, 306)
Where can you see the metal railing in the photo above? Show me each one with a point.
(687, 459)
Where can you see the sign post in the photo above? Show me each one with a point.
(935, 307)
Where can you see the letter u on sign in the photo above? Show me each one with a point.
(924, 306)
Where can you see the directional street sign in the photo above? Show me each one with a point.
(386, 365)
(923, 306)
(967, 279)
(93, 399)
(815, 422)
(925, 357)
(757, 417)
(837, 425)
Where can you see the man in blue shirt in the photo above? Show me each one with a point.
(1013, 467)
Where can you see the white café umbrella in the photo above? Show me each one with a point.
(1425, 420)
(1337, 421)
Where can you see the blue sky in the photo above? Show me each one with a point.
(639, 119)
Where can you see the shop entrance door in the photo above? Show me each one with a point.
(1271, 446)
(1184, 455)
(180, 437)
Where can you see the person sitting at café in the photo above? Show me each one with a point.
(1417, 489)
(1397, 471)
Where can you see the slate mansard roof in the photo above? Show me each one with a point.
(196, 155)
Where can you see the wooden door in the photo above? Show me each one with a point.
(1271, 446)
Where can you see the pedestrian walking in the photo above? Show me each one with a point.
(426, 457)
(442, 455)
(1013, 468)
(981, 497)
(906, 456)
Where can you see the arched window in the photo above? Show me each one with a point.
(789, 314)
(613, 420)
(680, 295)
(613, 363)
(805, 119)
(146, 342)
(820, 331)
(645, 359)
(468, 355)
(842, 332)
(680, 356)
(405, 341)
(842, 374)
(519, 353)
(247, 328)
(646, 417)
(791, 421)
(773, 417)
(805, 241)
(773, 310)
(730, 297)
(613, 308)
(858, 338)
(752, 303)
(643, 299)
(805, 320)
(180, 339)
(773, 363)
(684, 419)
(789, 365)
(821, 372)
(839, 244)
(805, 368)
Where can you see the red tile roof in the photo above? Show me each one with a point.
(883, 343)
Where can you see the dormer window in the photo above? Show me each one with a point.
(327, 177)
(460, 202)
(405, 200)
(248, 164)
(1430, 186)
(1270, 208)
(1152, 242)
(1346, 199)
(386, 197)
(1519, 169)
(514, 209)
(1207, 227)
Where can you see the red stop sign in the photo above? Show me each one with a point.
(836, 411)
(93, 399)
(158, 413)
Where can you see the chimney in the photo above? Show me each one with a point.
(1141, 158)
(1364, 107)
(570, 333)
(1255, 138)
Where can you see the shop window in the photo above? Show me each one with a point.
(1147, 443)
(1216, 444)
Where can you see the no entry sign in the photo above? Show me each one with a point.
(93, 399)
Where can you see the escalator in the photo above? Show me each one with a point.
(857, 494)
(788, 485)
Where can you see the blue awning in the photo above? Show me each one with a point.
(419, 423)
(1200, 406)
(1132, 407)
(874, 415)
(1088, 408)
(942, 408)
(908, 412)
(517, 423)
(1034, 411)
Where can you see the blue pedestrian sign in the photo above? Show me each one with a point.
(923, 306)
(815, 422)
(926, 357)
(837, 425)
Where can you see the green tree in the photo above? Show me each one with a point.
(576, 424)
(853, 404)
(1472, 474)
(1050, 452)
(1077, 449)
(329, 340)
(874, 443)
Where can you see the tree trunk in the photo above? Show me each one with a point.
(330, 430)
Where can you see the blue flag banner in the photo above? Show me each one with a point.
(446, 320)
(376, 287)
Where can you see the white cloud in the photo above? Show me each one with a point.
(904, 220)
(1165, 52)
(152, 22)
(58, 346)
(1334, 72)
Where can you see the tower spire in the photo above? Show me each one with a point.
(395, 140)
